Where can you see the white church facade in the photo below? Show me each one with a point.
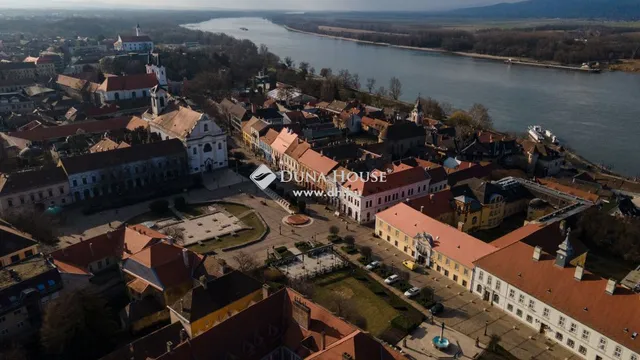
(204, 140)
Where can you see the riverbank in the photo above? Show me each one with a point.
(510, 60)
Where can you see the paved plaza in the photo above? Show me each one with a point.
(419, 344)
(306, 265)
(210, 226)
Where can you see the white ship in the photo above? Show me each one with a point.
(538, 134)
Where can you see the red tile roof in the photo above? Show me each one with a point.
(569, 190)
(118, 243)
(129, 82)
(133, 38)
(269, 137)
(393, 181)
(56, 132)
(434, 205)
(448, 240)
(616, 316)
(317, 162)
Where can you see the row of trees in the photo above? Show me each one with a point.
(563, 47)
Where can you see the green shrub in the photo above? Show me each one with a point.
(334, 239)
(404, 323)
(349, 249)
(363, 260)
(159, 206)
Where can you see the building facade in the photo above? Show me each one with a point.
(33, 189)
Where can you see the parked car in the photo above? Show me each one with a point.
(372, 265)
(410, 265)
(436, 309)
(412, 292)
(391, 279)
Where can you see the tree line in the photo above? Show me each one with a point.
(572, 47)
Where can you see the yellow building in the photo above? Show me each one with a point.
(214, 301)
(436, 245)
(16, 245)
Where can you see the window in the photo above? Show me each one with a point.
(602, 345)
(51, 282)
(573, 328)
(521, 299)
(498, 285)
(195, 150)
(446, 262)
(464, 283)
(489, 280)
(206, 127)
(561, 321)
(545, 312)
(480, 275)
(10, 202)
(28, 253)
(93, 179)
(633, 357)
(532, 304)
(530, 319)
(559, 336)
(219, 146)
(585, 335)
(510, 307)
(571, 343)
(617, 352)
(466, 272)
(455, 278)
(496, 298)
(582, 350)
(519, 312)
(207, 148)
(75, 182)
(479, 288)
(512, 294)
(15, 258)
(456, 266)
(50, 192)
(84, 181)
(439, 256)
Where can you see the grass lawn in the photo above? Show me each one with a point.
(234, 209)
(372, 307)
(241, 237)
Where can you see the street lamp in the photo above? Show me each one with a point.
(486, 324)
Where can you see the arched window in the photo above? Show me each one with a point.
(144, 93)
(207, 148)
(479, 289)
(117, 96)
(87, 194)
(133, 94)
(496, 298)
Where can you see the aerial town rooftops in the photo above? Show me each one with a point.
(434, 205)
(394, 180)
(178, 121)
(616, 315)
(269, 137)
(447, 240)
(118, 157)
(32, 273)
(318, 162)
(134, 39)
(128, 82)
(21, 181)
(56, 132)
(16, 65)
(13, 240)
(203, 300)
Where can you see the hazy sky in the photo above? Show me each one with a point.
(338, 5)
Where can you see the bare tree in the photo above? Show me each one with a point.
(177, 233)
(304, 67)
(325, 72)
(480, 117)
(371, 84)
(246, 263)
(312, 70)
(381, 92)
(289, 62)
(302, 286)
(355, 81)
(395, 88)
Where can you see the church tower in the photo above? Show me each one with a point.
(138, 31)
(158, 100)
(154, 67)
(417, 114)
(565, 251)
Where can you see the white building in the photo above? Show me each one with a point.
(206, 143)
(128, 87)
(138, 43)
(361, 200)
(550, 291)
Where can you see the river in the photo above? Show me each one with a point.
(598, 115)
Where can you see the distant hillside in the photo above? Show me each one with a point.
(597, 9)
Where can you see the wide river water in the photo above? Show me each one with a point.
(598, 115)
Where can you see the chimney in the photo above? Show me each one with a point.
(185, 257)
(322, 340)
(91, 248)
(579, 272)
(611, 286)
(265, 291)
(170, 240)
(536, 253)
(422, 209)
(169, 346)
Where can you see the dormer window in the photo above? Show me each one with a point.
(206, 127)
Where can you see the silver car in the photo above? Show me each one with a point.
(412, 292)
(372, 265)
(391, 279)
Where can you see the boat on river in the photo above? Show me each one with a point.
(538, 134)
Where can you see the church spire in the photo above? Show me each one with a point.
(138, 32)
(565, 251)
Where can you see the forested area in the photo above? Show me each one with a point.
(570, 45)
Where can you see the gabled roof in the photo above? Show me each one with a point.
(137, 122)
(163, 265)
(128, 82)
(297, 149)
(269, 137)
(317, 162)
(56, 132)
(133, 38)
(105, 144)
(17, 182)
(616, 316)
(118, 157)
(586, 195)
(337, 106)
(12, 240)
(227, 289)
(404, 130)
(149, 346)
(447, 240)
(283, 141)
(118, 243)
(434, 205)
(180, 122)
(393, 181)
(71, 82)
